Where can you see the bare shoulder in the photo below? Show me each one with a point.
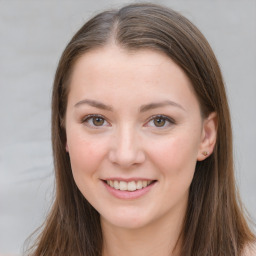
(250, 250)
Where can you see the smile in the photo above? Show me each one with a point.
(129, 189)
(129, 186)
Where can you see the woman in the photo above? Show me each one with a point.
(142, 143)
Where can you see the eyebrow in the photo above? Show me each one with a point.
(154, 105)
(95, 104)
(143, 108)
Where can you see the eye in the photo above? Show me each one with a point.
(95, 121)
(160, 121)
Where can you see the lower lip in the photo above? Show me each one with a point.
(123, 194)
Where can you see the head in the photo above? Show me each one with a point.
(136, 30)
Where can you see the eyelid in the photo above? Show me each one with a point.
(87, 117)
(166, 118)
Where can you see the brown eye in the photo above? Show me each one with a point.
(159, 122)
(97, 121)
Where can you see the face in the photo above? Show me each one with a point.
(134, 134)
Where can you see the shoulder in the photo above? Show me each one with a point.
(250, 250)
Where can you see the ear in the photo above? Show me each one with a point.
(209, 136)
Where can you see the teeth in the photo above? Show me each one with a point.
(116, 184)
(144, 183)
(139, 184)
(123, 185)
(128, 186)
(131, 186)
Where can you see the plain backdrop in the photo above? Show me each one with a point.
(33, 35)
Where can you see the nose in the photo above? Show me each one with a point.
(126, 148)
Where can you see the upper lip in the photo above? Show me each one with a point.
(128, 179)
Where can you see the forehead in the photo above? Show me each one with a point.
(112, 70)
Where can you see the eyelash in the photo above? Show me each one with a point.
(87, 118)
(163, 117)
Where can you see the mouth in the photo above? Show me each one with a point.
(129, 186)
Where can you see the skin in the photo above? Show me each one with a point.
(127, 143)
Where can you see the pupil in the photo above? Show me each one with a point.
(98, 121)
(159, 122)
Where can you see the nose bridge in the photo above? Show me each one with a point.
(127, 148)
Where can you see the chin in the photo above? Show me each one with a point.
(126, 220)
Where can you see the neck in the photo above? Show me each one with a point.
(159, 238)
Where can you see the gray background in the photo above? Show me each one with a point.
(32, 36)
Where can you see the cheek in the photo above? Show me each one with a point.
(85, 154)
(175, 156)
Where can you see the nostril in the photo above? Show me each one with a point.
(126, 157)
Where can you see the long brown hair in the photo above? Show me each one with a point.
(214, 223)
